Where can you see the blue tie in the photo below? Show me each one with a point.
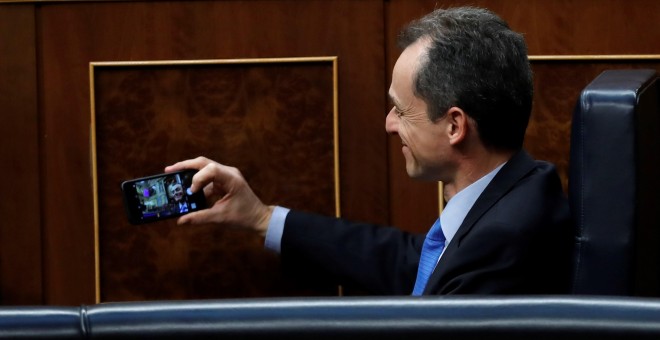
(433, 245)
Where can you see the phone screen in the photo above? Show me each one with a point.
(158, 197)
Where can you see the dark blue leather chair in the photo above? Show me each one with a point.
(40, 322)
(433, 317)
(614, 186)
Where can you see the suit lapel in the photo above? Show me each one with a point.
(513, 171)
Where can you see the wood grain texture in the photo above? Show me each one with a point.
(563, 26)
(567, 27)
(558, 85)
(272, 121)
(45, 97)
(20, 229)
(74, 34)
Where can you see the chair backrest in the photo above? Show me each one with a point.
(399, 317)
(613, 184)
(32, 322)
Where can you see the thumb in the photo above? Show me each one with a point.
(198, 217)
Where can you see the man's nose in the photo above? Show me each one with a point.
(392, 123)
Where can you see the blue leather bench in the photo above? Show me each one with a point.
(462, 317)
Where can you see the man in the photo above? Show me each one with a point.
(462, 96)
(175, 191)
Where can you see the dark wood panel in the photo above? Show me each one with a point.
(551, 28)
(49, 153)
(558, 85)
(563, 26)
(413, 204)
(264, 118)
(73, 34)
(587, 26)
(20, 230)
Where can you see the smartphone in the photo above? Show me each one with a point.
(158, 197)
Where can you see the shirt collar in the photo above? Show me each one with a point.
(458, 206)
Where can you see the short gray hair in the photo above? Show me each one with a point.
(475, 62)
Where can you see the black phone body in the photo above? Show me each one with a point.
(158, 197)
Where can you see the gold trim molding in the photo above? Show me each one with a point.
(93, 66)
(579, 58)
(595, 57)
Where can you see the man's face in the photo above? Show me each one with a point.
(177, 192)
(424, 143)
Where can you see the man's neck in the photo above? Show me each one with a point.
(471, 169)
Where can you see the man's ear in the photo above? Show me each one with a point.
(458, 125)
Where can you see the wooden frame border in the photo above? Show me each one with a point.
(566, 58)
(595, 57)
(93, 142)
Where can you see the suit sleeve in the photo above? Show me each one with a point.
(382, 260)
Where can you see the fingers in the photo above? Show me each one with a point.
(209, 172)
(219, 175)
(198, 217)
(196, 163)
(209, 190)
(234, 202)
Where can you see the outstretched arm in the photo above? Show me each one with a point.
(231, 200)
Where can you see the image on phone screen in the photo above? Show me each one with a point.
(163, 196)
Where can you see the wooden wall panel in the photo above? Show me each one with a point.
(73, 34)
(413, 204)
(558, 85)
(46, 236)
(264, 117)
(560, 27)
(569, 27)
(20, 229)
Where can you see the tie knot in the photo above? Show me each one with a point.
(435, 233)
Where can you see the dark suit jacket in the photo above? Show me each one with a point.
(516, 239)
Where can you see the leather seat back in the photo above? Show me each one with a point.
(613, 184)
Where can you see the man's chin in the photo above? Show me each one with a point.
(414, 173)
(419, 175)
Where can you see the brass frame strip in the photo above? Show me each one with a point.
(583, 58)
(595, 57)
(93, 142)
